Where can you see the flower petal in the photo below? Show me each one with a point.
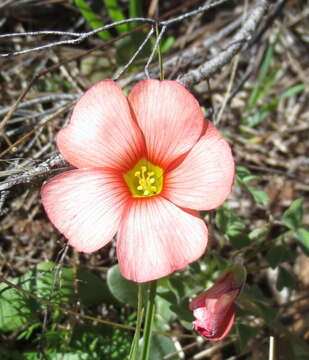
(214, 326)
(86, 206)
(157, 238)
(169, 116)
(101, 132)
(205, 177)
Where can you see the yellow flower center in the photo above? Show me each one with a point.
(145, 179)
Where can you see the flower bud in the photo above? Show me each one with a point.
(214, 309)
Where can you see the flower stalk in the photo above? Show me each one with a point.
(150, 312)
(140, 300)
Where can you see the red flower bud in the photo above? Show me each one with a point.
(214, 309)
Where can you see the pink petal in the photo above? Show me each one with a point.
(226, 325)
(101, 132)
(86, 206)
(169, 116)
(157, 238)
(205, 177)
(214, 326)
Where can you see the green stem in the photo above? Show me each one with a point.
(150, 311)
(135, 10)
(134, 347)
(160, 55)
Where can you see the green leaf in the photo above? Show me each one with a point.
(116, 14)
(242, 171)
(127, 46)
(122, 289)
(249, 178)
(227, 221)
(135, 8)
(16, 309)
(263, 77)
(45, 282)
(239, 240)
(167, 296)
(92, 290)
(243, 178)
(10, 354)
(285, 279)
(232, 226)
(259, 196)
(299, 347)
(76, 355)
(167, 44)
(293, 90)
(182, 311)
(163, 315)
(303, 238)
(160, 347)
(177, 284)
(293, 216)
(258, 304)
(92, 19)
(257, 234)
(278, 254)
(266, 312)
(246, 333)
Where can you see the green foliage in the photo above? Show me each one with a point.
(278, 254)
(257, 304)
(116, 14)
(263, 85)
(243, 177)
(9, 354)
(293, 216)
(102, 341)
(16, 309)
(135, 8)
(127, 46)
(92, 19)
(160, 347)
(246, 333)
(232, 227)
(293, 348)
(258, 107)
(92, 290)
(122, 289)
(88, 343)
(303, 238)
(285, 279)
(54, 84)
(46, 282)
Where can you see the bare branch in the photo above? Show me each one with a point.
(79, 36)
(41, 172)
(242, 37)
(40, 100)
(188, 54)
(192, 13)
(123, 69)
(154, 50)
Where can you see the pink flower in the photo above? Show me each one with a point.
(214, 309)
(144, 163)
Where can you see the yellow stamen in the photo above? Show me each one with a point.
(145, 179)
